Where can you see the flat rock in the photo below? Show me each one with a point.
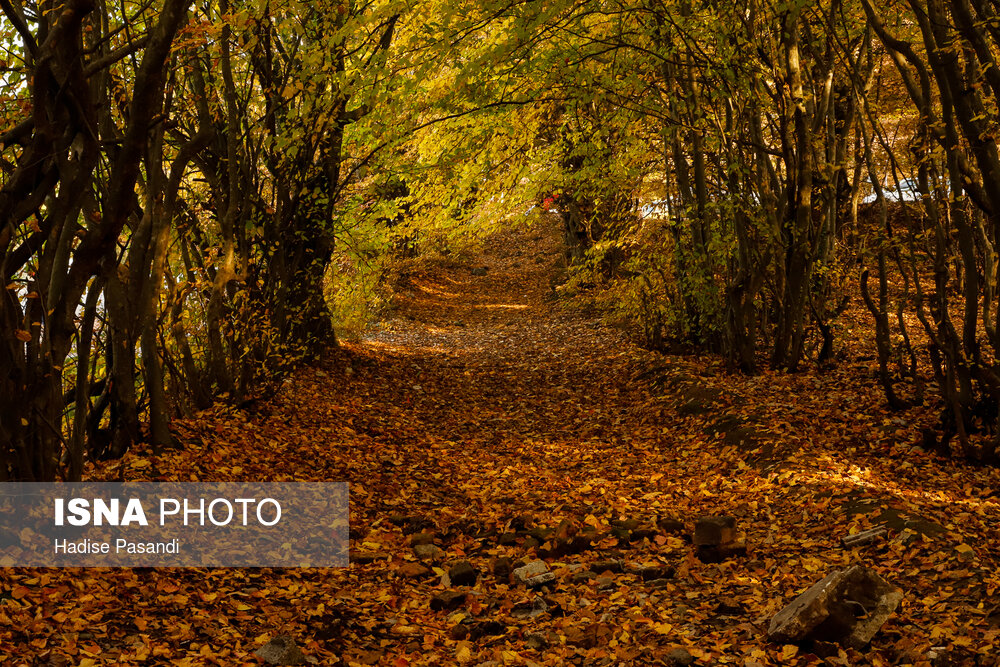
(540, 580)
(847, 607)
(413, 570)
(532, 569)
(367, 557)
(530, 609)
(679, 657)
(612, 565)
(447, 600)
(281, 651)
(649, 572)
(427, 551)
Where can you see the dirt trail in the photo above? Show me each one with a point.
(499, 422)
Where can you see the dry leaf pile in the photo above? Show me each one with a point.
(484, 427)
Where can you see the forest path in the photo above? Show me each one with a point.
(494, 423)
(501, 400)
(482, 408)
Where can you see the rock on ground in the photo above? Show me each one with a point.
(847, 607)
(532, 569)
(281, 651)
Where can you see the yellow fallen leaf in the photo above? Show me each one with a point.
(464, 653)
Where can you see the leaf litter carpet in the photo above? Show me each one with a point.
(486, 422)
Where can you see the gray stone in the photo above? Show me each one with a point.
(479, 270)
(532, 569)
(864, 537)
(649, 572)
(528, 610)
(847, 607)
(281, 651)
(540, 580)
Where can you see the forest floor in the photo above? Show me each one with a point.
(491, 420)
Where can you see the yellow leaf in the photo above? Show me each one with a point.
(464, 653)
(663, 628)
(788, 651)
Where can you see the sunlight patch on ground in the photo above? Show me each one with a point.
(404, 350)
(877, 482)
(439, 291)
(504, 306)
